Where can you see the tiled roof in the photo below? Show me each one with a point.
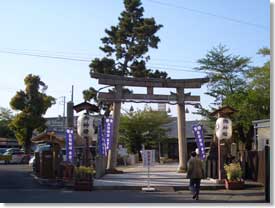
(173, 128)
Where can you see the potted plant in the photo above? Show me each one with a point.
(233, 176)
(83, 178)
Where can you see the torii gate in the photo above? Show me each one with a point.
(179, 98)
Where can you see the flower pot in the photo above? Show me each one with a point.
(234, 185)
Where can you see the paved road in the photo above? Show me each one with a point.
(15, 176)
(16, 186)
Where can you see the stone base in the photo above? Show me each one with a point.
(113, 171)
(181, 170)
(215, 180)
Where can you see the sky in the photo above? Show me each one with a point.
(70, 31)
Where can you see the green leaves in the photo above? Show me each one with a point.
(104, 66)
(32, 104)
(89, 94)
(5, 119)
(126, 47)
(233, 82)
(142, 127)
(226, 72)
(127, 44)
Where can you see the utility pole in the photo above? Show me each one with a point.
(64, 104)
(72, 96)
(70, 112)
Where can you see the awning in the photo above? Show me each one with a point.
(48, 137)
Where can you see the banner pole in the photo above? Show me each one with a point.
(149, 176)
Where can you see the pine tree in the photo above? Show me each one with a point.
(127, 44)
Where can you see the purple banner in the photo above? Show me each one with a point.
(198, 132)
(70, 145)
(101, 140)
(108, 133)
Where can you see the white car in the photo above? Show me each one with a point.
(16, 156)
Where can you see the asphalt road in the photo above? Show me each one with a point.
(17, 186)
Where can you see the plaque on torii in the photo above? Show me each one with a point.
(179, 98)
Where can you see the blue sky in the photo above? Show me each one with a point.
(73, 29)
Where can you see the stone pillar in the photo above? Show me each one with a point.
(182, 142)
(112, 156)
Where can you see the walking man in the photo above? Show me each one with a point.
(195, 173)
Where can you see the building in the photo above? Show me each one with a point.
(58, 124)
(261, 134)
(169, 148)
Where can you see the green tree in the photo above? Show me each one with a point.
(32, 104)
(225, 71)
(233, 82)
(253, 103)
(142, 127)
(126, 47)
(127, 44)
(5, 119)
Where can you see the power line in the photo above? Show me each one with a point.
(48, 51)
(209, 14)
(174, 60)
(45, 56)
(87, 55)
(179, 68)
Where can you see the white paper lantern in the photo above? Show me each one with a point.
(85, 127)
(223, 128)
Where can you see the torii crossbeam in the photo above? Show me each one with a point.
(178, 98)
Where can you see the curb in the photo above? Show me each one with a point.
(158, 188)
(175, 188)
(48, 182)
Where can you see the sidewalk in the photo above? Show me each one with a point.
(161, 177)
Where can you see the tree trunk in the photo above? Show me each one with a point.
(27, 144)
(249, 138)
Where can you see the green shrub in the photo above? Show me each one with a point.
(233, 171)
(83, 173)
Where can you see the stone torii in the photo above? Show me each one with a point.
(179, 98)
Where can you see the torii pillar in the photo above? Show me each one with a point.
(112, 155)
(182, 142)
